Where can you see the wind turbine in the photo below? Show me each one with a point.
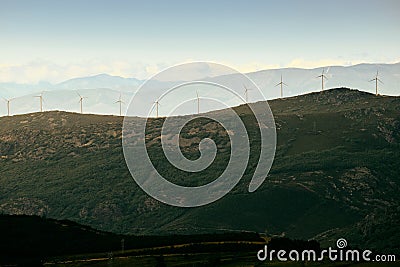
(198, 102)
(322, 76)
(81, 100)
(376, 79)
(281, 84)
(246, 93)
(41, 100)
(8, 105)
(157, 102)
(120, 104)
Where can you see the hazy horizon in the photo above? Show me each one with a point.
(56, 41)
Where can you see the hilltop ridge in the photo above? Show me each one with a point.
(103, 90)
(335, 172)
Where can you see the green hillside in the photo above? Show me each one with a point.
(336, 172)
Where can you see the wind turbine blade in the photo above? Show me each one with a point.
(285, 84)
(372, 80)
(277, 84)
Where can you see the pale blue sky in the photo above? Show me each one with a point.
(57, 40)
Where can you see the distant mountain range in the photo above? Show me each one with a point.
(103, 90)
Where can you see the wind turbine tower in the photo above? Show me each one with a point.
(157, 104)
(81, 101)
(41, 101)
(281, 84)
(322, 76)
(120, 104)
(198, 102)
(8, 105)
(376, 79)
